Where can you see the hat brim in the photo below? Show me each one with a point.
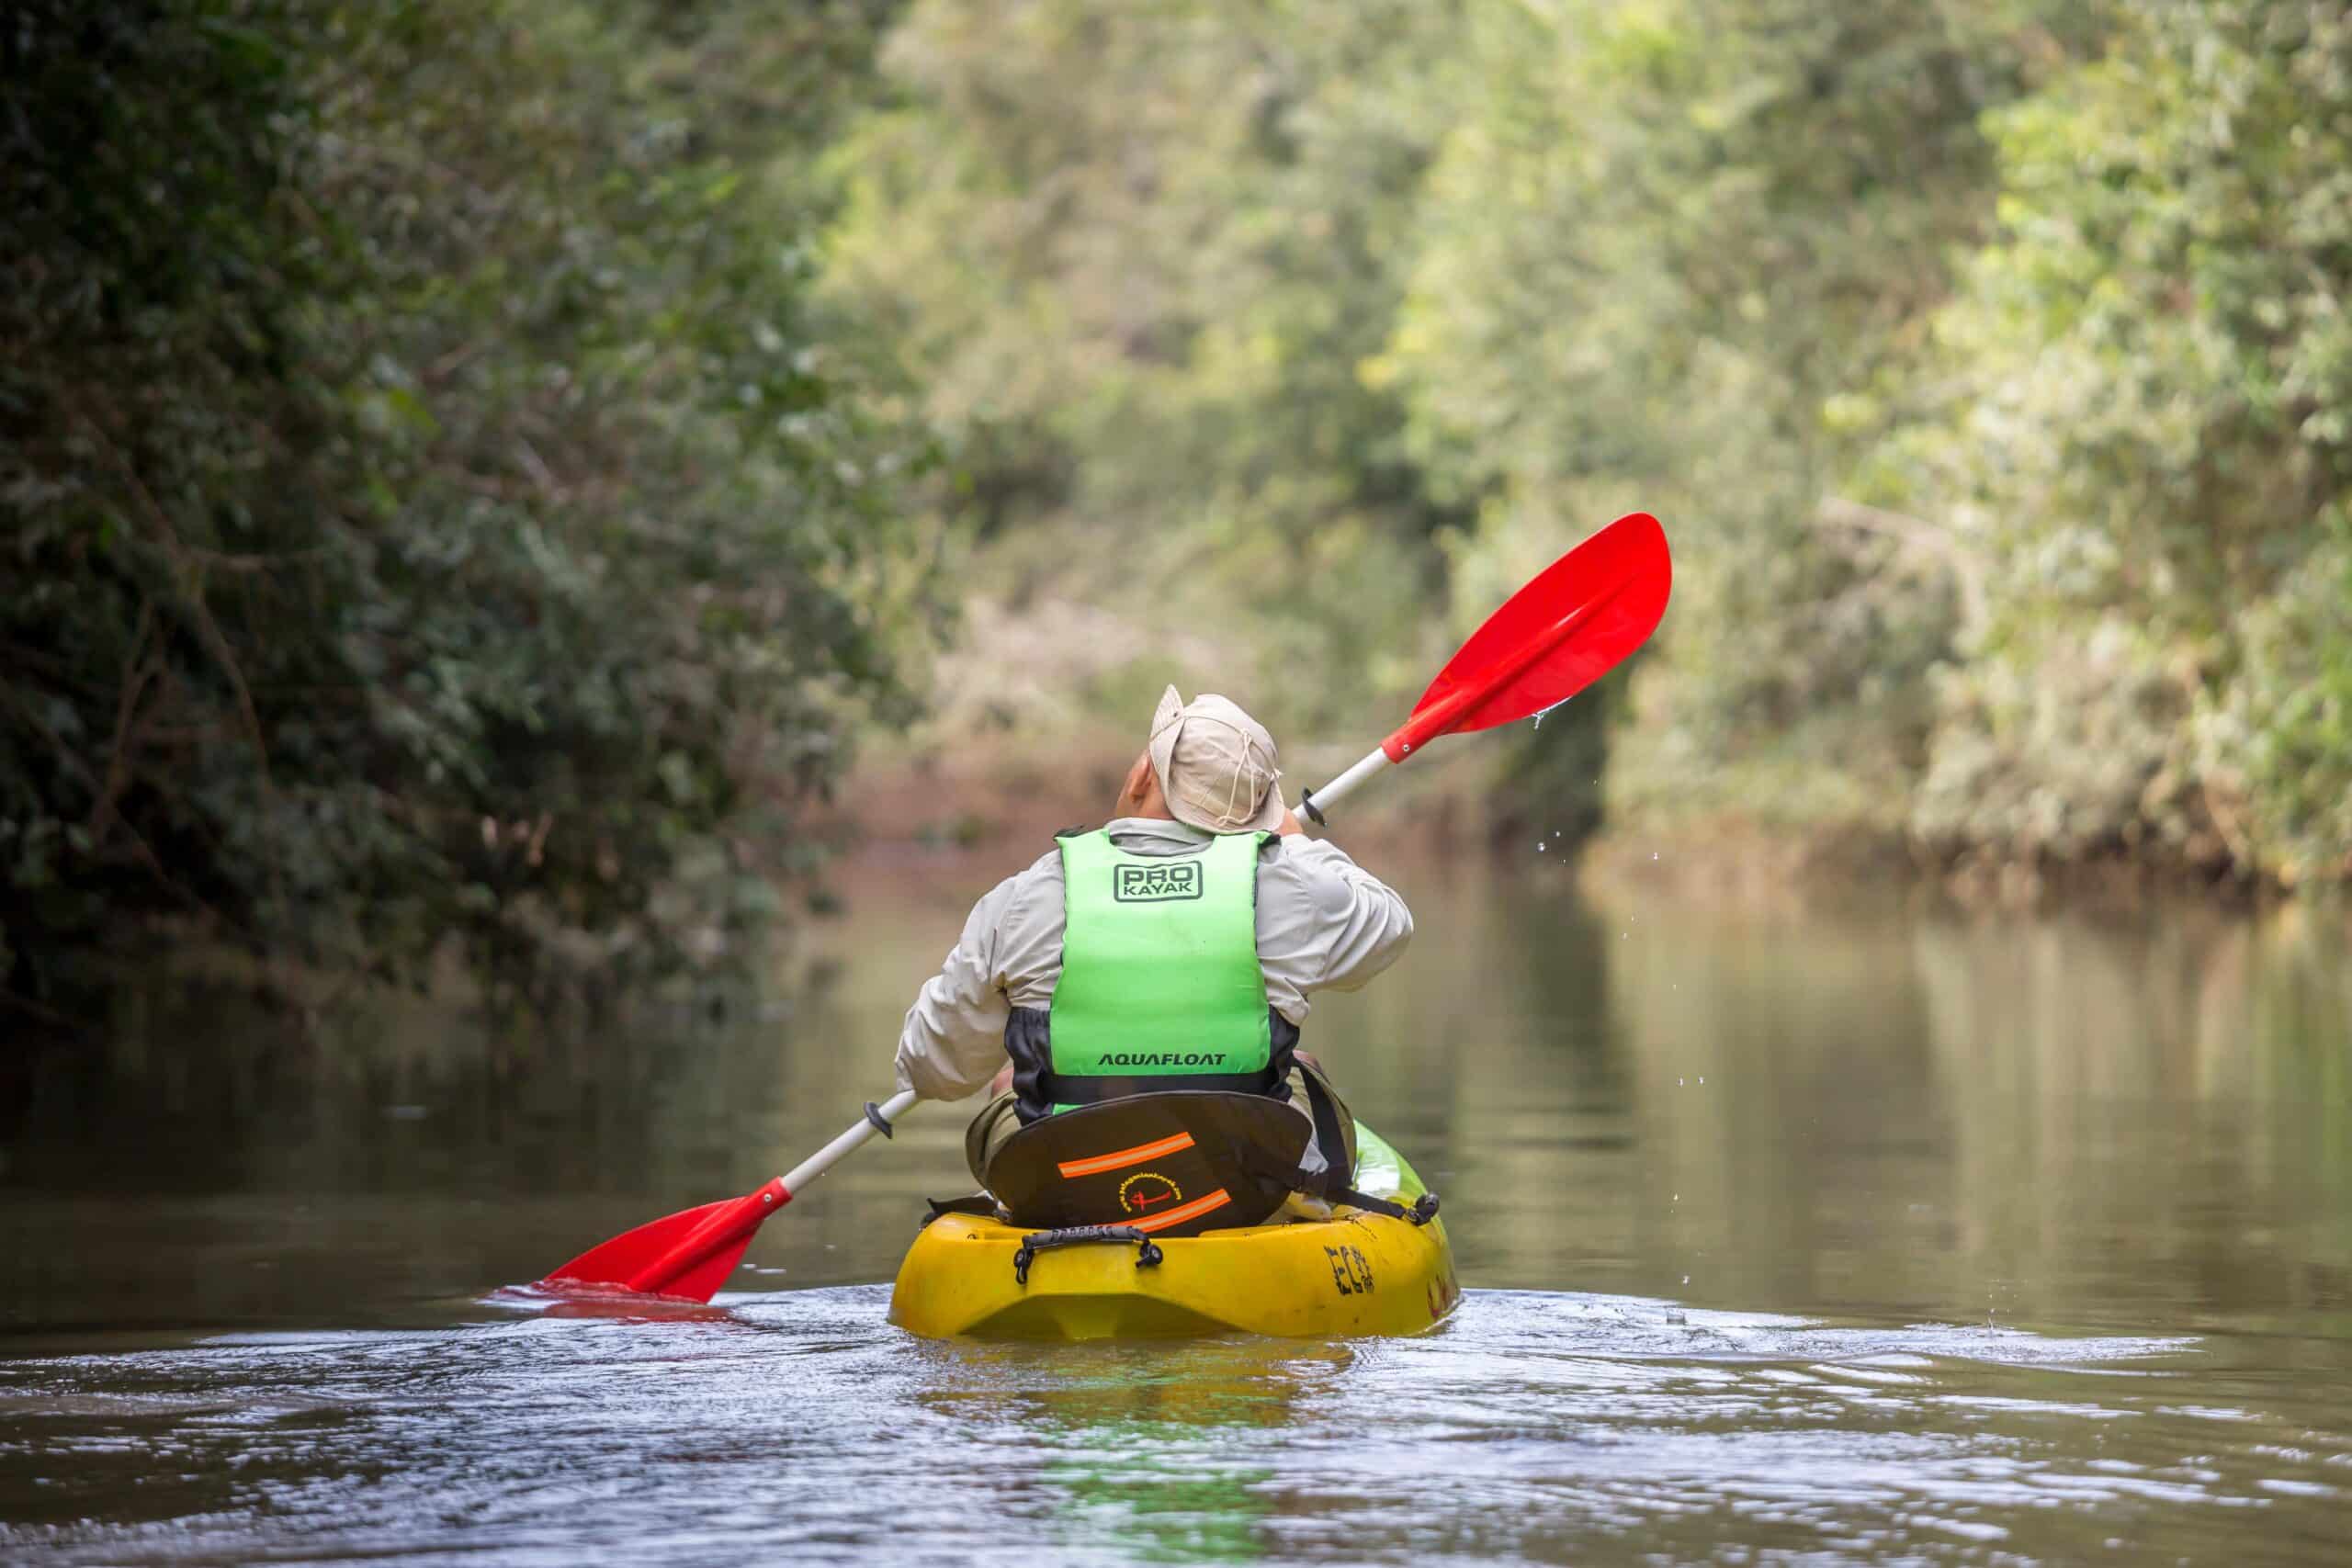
(1268, 819)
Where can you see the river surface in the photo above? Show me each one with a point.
(1790, 1235)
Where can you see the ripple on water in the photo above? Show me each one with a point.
(802, 1426)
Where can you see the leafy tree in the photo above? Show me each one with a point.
(459, 467)
(432, 509)
(1669, 253)
(1135, 256)
(2139, 427)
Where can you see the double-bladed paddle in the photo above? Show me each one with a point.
(1575, 622)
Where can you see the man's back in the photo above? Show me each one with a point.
(1323, 923)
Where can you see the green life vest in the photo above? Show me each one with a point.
(1160, 973)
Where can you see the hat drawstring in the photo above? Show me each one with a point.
(1233, 786)
(1249, 769)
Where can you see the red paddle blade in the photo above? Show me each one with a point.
(688, 1254)
(1576, 621)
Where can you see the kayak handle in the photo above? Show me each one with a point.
(1148, 1253)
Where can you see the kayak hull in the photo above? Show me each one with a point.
(1351, 1275)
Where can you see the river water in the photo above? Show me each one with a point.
(1860, 1233)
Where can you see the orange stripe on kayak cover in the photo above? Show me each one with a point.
(1192, 1210)
(1137, 1156)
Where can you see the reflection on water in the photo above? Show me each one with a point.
(1868, 1236)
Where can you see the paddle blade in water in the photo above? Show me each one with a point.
(1576, 621)
(687, 1255)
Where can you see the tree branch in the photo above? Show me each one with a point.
(192, 591)
(135, 676)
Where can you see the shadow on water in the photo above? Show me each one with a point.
(1875, 1237)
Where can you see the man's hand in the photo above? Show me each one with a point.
(1289, 824)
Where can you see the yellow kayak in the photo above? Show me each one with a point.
(1355, 1273)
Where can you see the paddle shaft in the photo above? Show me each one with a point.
(847, 1142)
(1315, 801)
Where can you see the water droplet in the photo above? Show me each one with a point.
(1702, 1082)
(1539, 846)
(1652, 855)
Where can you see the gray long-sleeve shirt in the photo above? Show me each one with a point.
(1324, 923)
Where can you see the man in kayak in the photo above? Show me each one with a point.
(1174, 948)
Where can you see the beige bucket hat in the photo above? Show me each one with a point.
(1216, 764)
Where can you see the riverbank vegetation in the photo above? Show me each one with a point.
(432, 510)
(478, 474)
(1987, 365)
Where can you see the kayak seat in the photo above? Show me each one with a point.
(1175, 1163)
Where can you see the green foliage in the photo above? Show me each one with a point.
(456, 462)
(2281, 735)
(1136, 255)
(2137, 426)
(433, 507)
(1668, 252)
(1986, 364)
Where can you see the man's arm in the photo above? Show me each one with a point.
(953, 1040)
(1324, 923)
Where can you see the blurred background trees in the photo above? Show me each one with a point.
(2135, 415)
(1672, 254)
(1984, 362)
(479, 471)
(1136, 256)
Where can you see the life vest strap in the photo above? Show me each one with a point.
(1330, 1183)
(1059, 1089)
